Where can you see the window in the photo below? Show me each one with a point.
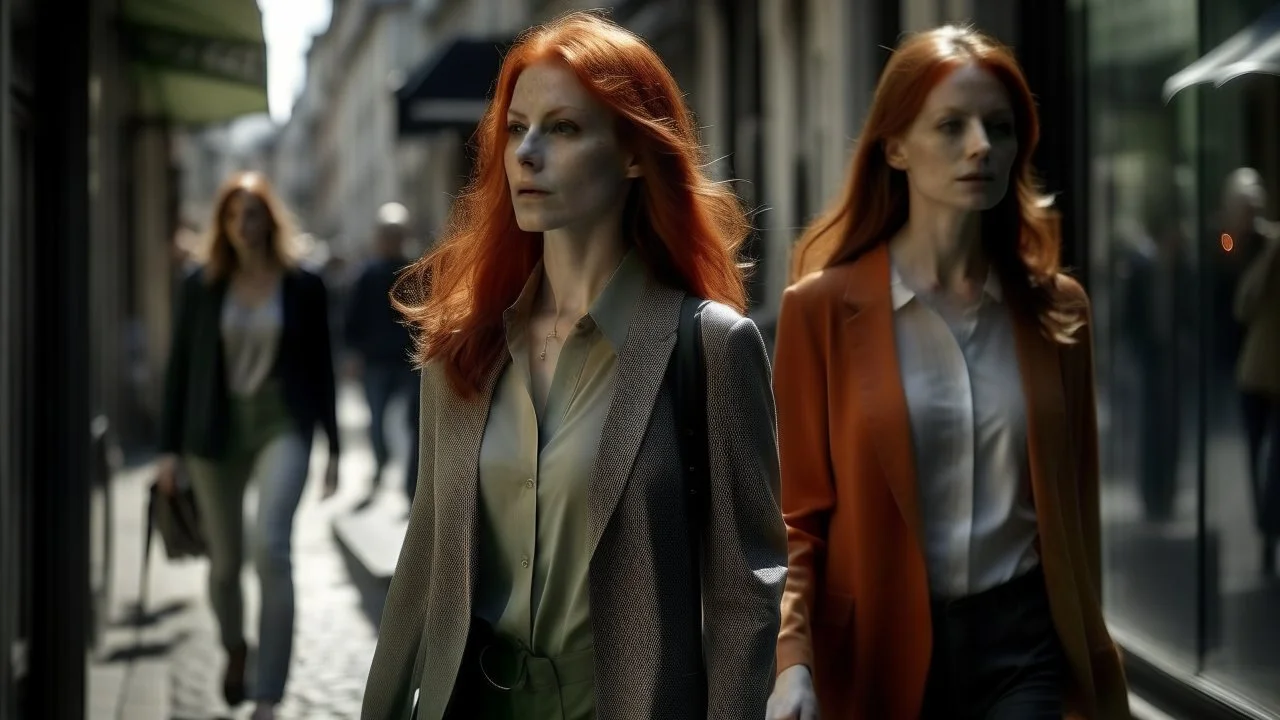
(1184, 260)
(1142, 278)
(1240, 246)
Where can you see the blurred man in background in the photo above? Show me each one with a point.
(381, 343)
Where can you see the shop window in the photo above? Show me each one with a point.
(1184, 256)
(1240, 247)
(1142, 269)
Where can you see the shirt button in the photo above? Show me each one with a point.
(524, 561)
(529, 483)
(579, 324)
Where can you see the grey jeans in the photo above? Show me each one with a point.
(268, 449)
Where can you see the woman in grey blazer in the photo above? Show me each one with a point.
(553, 565)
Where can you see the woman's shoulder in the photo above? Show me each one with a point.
(823, 286)
(728, 334)
(720, 320)
(303, 280)
(1070, 287)
(304, 275)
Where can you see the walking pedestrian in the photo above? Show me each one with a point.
(381, 342)
(937, 423)
(553, 567)
(250, 376)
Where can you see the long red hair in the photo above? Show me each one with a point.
(687, 227)
(1020, 235)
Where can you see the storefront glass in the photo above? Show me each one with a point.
(1184, 268)
(1240, 244)
(1142, 266)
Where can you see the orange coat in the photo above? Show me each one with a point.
(856, 606)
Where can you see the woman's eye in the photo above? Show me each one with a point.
(1000, 129)
(564, 127)
(515, 128)
(951, 126)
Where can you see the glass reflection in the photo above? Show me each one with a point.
(1144, 265)
(1241, 246)
(1184, 259)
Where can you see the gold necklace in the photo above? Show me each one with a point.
(543, 355)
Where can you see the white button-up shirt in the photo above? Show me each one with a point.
(969, 437)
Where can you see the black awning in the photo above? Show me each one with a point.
(1255, 49)
(450, 89)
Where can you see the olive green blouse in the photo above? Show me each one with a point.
(534, 474)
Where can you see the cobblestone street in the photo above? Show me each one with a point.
(171, 668)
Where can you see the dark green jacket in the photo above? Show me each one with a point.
(196, 412)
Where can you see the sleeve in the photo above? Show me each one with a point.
(808, 493)
(1081, 395)
(327, 380)
(745, 557)
(173, 410)
(390, 688)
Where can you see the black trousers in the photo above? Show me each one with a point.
(996, 656)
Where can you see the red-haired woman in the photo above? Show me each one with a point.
(937, 423)
(553, 567)
(250, 376)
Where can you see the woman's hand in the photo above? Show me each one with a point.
(167, 475)
(793, 697)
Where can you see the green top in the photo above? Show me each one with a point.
(535, 477)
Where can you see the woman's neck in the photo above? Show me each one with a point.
(255, 265)
(575, 269)
(941, 251)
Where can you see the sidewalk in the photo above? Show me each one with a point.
(171, 669)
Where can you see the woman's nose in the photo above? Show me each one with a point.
(529, 152)
(978, 142)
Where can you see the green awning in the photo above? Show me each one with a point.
(196, 61)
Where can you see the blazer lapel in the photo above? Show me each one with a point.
(873, 362)
(640, 372)
(457, 499)
(456, 554)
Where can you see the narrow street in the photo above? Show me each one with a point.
(170, 669)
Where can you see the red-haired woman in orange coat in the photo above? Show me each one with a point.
(552, 566)
(937, 423)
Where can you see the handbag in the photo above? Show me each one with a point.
(177, 518)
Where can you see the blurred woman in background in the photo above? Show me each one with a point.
(250, 376)
(555, 565)
(937, 424)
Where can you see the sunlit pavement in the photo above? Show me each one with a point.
(171, 668)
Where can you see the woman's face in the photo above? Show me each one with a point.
(961, 147)
(565, 167)
(247, 223)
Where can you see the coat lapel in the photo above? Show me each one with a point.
(878, 379)
(640, 372)
(1041, 371)
(456, 555)
(1056, 501)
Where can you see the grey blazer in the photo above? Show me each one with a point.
(648, 659)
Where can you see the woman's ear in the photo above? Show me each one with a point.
(895, 154)
(633, 169)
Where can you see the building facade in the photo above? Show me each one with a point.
(89, 93)
(367, 48)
